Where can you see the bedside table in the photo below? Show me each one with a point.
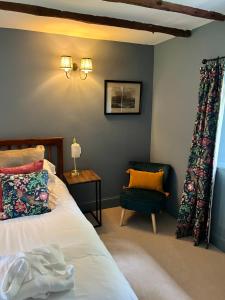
(85, 177)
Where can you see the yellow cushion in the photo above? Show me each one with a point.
(146, 180)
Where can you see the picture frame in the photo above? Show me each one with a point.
(122, 97)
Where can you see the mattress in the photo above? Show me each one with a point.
(97, 276)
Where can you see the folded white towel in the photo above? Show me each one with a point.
(34, 274)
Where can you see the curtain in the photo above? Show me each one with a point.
(194, 208)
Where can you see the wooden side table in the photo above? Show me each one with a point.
(84, 177)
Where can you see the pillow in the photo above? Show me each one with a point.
(48, 166)
(24, 194)
(13, 158)
(52, 200)
(25, 169)
(146, 180)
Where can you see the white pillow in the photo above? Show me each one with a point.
(48, 166)
(19, 157)
(52, 200)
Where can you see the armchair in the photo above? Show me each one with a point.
(148, 202)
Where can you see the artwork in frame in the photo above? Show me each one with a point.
(122, 97)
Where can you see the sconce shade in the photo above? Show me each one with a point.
(66, 63)
(86, 65)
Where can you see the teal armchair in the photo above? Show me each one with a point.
(148, 202)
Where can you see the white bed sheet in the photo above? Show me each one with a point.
(97, 276)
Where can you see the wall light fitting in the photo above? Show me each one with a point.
(66, 64)
(85, 67)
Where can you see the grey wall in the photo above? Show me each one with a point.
(175, 98)
(36, 99)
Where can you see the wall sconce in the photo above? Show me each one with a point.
(66, 64)
(85, 67)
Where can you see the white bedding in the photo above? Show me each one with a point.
(97, 277)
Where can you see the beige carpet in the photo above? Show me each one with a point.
(160, 267)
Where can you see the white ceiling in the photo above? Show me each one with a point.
(101, 8)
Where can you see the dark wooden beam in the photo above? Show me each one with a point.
(173, 7)
(55, 13)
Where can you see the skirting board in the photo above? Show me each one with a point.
(106, 203)
(218, 241)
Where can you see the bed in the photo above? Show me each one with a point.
(97, 276)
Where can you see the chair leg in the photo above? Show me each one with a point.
(154, 223)
(122, 216)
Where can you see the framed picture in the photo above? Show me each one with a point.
(122, 97)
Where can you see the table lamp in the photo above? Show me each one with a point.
(75, 153)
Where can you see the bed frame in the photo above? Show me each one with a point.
(49, 143)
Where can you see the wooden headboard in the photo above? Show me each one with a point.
(49, 143)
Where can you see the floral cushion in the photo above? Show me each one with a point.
(24, 169)
(24, 194)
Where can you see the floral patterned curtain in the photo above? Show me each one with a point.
(193, 213)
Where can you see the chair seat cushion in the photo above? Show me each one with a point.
(144, 201)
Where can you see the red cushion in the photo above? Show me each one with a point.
(36, 166)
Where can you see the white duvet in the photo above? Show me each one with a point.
(97, 277)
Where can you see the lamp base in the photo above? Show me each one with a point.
(75, 173)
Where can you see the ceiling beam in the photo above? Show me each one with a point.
(173, 7)
(99, 20)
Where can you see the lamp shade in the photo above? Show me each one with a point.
(86, 65)
(75, 150)
(66, 63)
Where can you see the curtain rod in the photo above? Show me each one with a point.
(204, 61)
